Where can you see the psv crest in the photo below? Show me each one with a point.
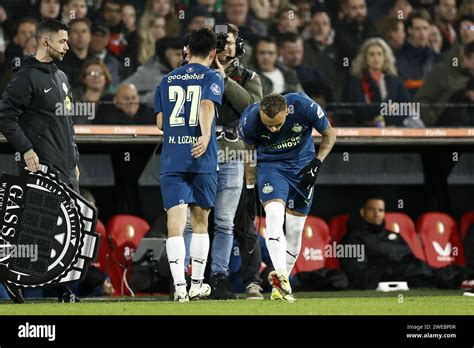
(40, 214)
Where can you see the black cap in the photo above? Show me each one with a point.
(196, 11)
(98, 28)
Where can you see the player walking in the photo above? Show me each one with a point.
(184, 104)
(280, 129)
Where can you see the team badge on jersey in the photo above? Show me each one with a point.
(297, 128)
(215, 89)
(267, 188)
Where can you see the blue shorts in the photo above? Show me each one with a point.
(282, 182)
(188, 188)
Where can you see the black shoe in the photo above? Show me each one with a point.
(220, 287)
(66, 296)
(469, 293)
(14, 292)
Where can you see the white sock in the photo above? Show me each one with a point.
(198, 251)
(275, 239)
(294, 232)
(176, 252)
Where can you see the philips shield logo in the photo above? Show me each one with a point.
(267, 188)
(444, 254)
(37, 209)
(215, 89)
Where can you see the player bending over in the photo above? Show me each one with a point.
(184, 104)
(280, 129)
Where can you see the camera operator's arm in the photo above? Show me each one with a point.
(242, 96)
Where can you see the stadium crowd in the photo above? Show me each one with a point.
(348, 55)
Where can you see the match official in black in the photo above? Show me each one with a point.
(34, 116)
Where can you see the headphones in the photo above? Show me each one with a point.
(239, 47)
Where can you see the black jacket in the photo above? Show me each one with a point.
(28, 116)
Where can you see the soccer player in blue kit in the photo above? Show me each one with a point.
(185, 106)
(280, 129)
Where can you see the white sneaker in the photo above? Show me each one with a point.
(199, 293)
(181, 296)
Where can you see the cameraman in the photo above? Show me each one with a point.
(242, 87)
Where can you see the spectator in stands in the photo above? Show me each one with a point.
(3, 34)
(320, 50)
(393, 32)
(236, 12)
(209, 4)
(79, 41)
(435, 39)
(30, 46)
(445, 15)
(73, 9)
(151, 30)
(166, 9)
(126, 109)
(304, 8)
(291, 51)
(286, 21)
(96, 79)
(265, 11)
(416, 58)
(198, 17)
(354, 29)
(374, 80)
(25, 29)
(167, 56)
(400, 10)
(466, 8)
(111, 17)
(441, 82)
(465, 36)
(387, 256)
(129, 58)
(275, 77)
(49, 9)
(129, 17)
(98, 49)
(460, 112)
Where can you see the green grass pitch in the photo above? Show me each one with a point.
(413, 302)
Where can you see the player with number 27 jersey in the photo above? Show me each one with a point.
(179, 96)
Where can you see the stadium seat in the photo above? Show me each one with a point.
(312, 256)
(338, 226)
(125, 233)
(439, 233)
(260, 225)
(403, 224)
(466, 220)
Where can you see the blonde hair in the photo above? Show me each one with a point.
(173, 27)
(360, 62)
(146, 41)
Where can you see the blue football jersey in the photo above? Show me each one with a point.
(178, 97)
(294, 142)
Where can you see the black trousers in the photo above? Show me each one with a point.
(245, 231)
